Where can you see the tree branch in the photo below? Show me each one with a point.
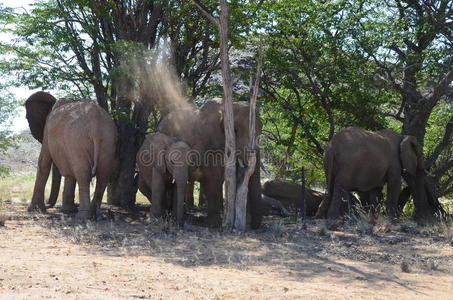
(441, 87)
(206, 13)
(446, 141)
(444, 168)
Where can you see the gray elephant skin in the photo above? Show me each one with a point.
(290, 193)
(79, 139)
(202, 129)
(363, 161)
(160, 160)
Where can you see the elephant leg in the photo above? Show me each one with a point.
(393, 193)
(101, 185)
(84, 196)
(157, 194)
(403, 199)
(215, 199)
(323, 208)
(44, 165)
(335, 204)
(189, 194)
(364, 198)
(346, 206)
(255, 201)
(374, 196)
(55, 189)
(202, 195)
(68, 195)
(169, 197)
(144, 187)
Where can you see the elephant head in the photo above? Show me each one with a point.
(410, 154)
(38, 107)
(212, 112)
(166, 155)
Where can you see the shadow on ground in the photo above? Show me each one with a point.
(295, 250)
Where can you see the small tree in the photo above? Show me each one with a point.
(236, 192)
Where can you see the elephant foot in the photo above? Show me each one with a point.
(33, 207)
(50, 205)
(256, 221)
(180, 224)
(333, 224)
(214, 221)
(155, 212)
(83, 215)
(69, 209)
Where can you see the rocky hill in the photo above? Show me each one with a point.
(22, 157)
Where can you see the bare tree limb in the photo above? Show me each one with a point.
(440, 171)
(203, 9)
(240, 222)
(441, 87)
(446, 141)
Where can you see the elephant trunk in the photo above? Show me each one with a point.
(255, 206)
(55, 189)
(181, 190)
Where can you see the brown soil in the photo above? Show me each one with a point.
(129, 257)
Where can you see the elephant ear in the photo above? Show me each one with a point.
(38, 107)
(159, 145)
(212, 112)
(410, 154)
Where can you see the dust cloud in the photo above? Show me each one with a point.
(150, 78)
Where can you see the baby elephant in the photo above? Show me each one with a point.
(162, 160)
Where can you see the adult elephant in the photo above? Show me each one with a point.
(202, 129)
(363, 161)
(79, 138)
(160, 160)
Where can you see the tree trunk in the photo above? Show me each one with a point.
(122, 188)
(228, 120)
(426, 202)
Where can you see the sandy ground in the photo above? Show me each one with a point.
(50, 256)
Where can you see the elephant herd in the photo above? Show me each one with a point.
(79, 142)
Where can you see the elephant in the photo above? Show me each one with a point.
(79, 139)
(202, 129)
(289, 194)
(363, 161)
(272, 206)
(160, 160)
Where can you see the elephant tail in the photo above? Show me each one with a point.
(96, 147)
(95, 165)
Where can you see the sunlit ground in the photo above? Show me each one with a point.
(18, 188)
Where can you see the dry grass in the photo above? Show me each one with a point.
(18, 188)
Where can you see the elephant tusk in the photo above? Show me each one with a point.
(241, 163)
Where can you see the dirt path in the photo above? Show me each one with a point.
(36, 262)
